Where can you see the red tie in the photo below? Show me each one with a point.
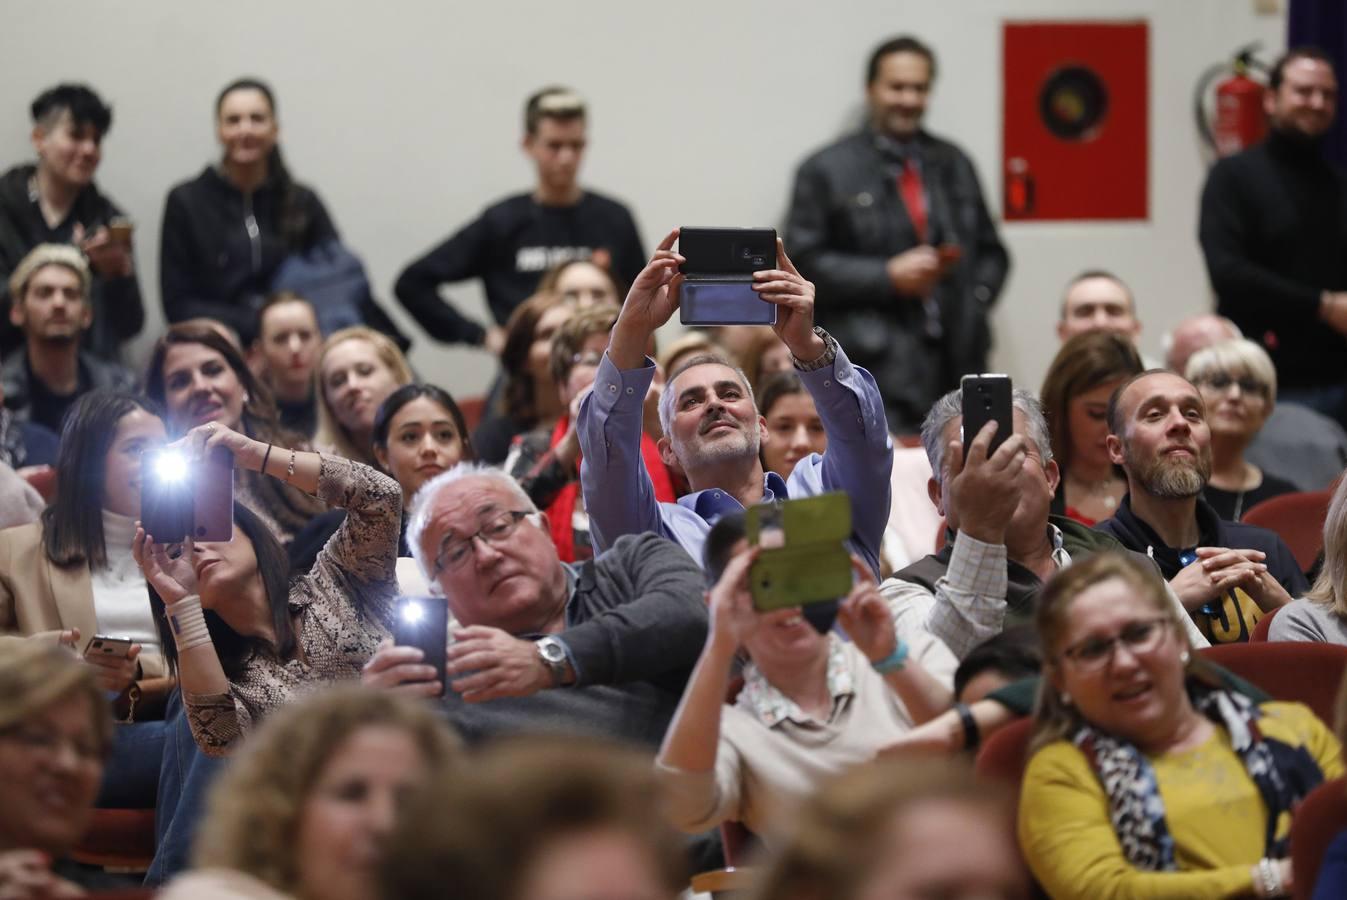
(914, 197)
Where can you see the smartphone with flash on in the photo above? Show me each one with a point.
(718, 272)
(986, 398)
(106, 645)
(182, 498)
(423, 623)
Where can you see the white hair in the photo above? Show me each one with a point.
(432, 489)
(1240, 355)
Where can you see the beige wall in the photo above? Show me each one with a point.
(405, 117)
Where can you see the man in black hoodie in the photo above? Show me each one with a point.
(55, 201)
(1226, 574)
(1274, 230)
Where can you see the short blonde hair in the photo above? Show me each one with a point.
(44, 255)
(1238, 356)
(257, 804)
(331, 433)
(35, 674)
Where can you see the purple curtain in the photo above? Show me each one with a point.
(1323, 24)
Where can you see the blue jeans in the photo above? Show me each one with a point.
(185, 777)
(131, 774)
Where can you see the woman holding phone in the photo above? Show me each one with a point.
(812, 704)
(201, 377)
(241, 638)
(70, 579)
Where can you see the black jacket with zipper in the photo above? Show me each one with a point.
(220, 248)
(1218, 624)
(119, 313)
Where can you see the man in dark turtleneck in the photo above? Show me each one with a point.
(1274, 233)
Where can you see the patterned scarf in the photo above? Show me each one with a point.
(1136, 808)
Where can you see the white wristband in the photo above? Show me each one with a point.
(187, 623)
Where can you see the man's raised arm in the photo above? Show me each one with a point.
(618, 494)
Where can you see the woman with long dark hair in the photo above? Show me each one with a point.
(227, 231)
(419, 432)
(201, 377)
(242, 637)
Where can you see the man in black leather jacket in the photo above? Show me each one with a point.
(891, 225)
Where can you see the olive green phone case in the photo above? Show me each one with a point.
(804, 557)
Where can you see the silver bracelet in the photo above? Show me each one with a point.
(290, 469)
(1269, 878)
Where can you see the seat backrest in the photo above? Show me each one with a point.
(1300, 671)
(43, 480)
(1298, 520)
(1005, 754)
(1317, 821)
(1260, 631)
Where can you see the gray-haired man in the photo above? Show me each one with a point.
(539, 645)
(1002, 543)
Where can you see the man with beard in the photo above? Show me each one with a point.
(891, 223)
(712, 429)
(51, 307)
(1226, 574)
(1273, 229)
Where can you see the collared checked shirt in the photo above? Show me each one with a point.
(968, 606)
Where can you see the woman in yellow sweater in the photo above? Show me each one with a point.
(1149, 780)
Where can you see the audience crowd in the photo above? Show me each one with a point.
(608, 712)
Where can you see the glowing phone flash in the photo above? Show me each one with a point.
(412, 613)
(171, 466)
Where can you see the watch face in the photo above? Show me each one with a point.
(551, 651)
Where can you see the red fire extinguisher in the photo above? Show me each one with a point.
(1237, 120)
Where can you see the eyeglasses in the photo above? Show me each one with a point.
(49, 744)
(454, 553)
(1141, 636)
(1247, 384)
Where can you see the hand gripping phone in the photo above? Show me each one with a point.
(423, 623)
(804, 558)
(718, 275)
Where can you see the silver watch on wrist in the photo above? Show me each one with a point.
(553, 654)
(826, 359)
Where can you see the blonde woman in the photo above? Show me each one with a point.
(55, 733)
(1238, 384)
(307, 806)
(357, 370)
(1148, 777)
(1321, 615)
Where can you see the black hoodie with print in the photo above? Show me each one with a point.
(1233, 619)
